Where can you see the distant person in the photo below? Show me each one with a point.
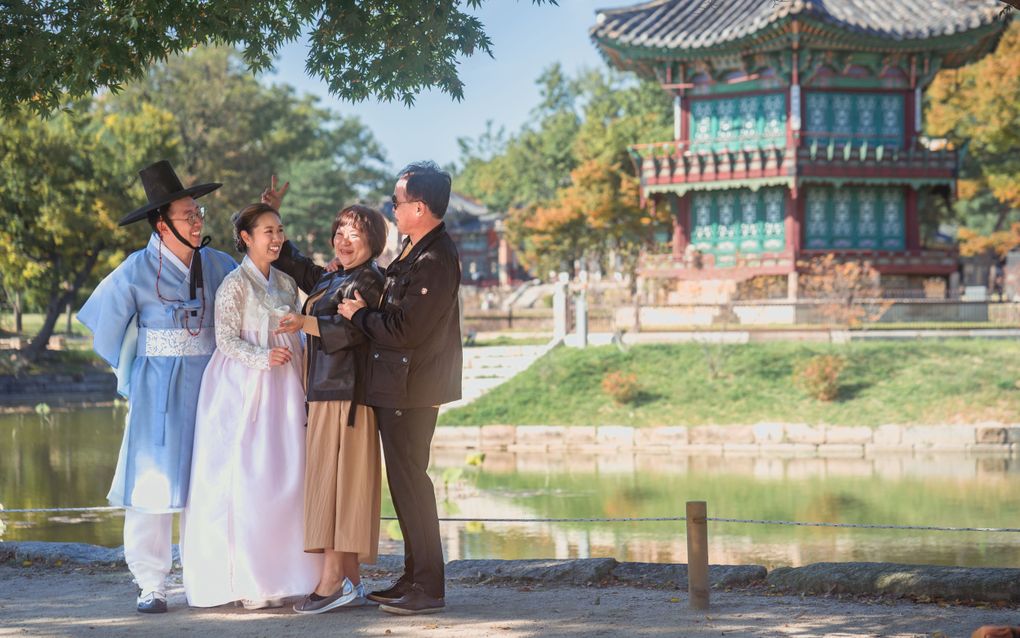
(996, 281)
(243, 541)
(415, 362)
(152, 320)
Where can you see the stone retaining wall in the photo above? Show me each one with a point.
(785, 439)
(58, 389)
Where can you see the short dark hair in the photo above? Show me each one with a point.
(244, 220)
(367, 220)
(428, 183)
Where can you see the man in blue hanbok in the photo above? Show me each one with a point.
(152, 320)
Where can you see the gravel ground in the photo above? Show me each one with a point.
(82, 601)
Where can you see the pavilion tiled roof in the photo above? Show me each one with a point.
(708, 24)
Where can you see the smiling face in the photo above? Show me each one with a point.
(187, 217)
(265, 238)
(351, 245)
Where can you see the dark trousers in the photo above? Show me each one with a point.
(406, 441)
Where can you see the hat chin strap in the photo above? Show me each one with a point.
(195, 272)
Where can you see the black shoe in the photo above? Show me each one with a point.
(153, 602)
(397, 590)
(414, 602)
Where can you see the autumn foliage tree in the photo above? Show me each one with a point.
(848, 291)
(978, 108)
(567, 182)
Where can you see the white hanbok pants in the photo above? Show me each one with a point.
(147, 547)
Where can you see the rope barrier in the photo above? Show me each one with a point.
(647, 519)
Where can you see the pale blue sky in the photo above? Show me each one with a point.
(526, 39)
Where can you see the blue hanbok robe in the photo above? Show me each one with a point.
(154, 464)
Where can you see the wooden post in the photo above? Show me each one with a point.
(697, 554)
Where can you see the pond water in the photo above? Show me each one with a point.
(67, 460)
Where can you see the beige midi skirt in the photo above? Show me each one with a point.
(342, 480)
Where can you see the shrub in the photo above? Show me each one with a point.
(819, 376)
(622, 387)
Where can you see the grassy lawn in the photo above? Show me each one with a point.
(952, 381)
(31, 322)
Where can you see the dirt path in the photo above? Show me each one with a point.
(51, 601)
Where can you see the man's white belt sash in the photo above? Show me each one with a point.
(175, 342)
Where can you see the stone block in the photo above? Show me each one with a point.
(804, 433)
(498, 436)
(992, 435)
(615, 436)
(856, 434)
(1013, 433)
(668, 437)
(888, 435)
(948, 437)
(721, 434)
(768, 432)
(550, 436)
(578, 435)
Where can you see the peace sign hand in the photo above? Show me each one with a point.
(273, 195)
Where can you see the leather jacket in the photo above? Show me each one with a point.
(336, 358)
(416, 354)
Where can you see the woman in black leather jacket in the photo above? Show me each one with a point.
(343, 468)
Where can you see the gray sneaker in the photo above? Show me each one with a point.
(316, 604)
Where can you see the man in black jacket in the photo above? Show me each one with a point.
(415, 361)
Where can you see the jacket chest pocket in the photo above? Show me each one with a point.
(387, 372)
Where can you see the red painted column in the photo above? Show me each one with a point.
(685, 119)
(681, 208)
(912, 221)
(793, 222)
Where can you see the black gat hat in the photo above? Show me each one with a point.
(162, 186)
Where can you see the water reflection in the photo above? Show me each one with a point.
(69, 459)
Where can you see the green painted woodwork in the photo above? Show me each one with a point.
(854, 117)
(854, 218)
(752, 121)
(717, 185)
(744, 221)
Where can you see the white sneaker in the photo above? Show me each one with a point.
(151, 601)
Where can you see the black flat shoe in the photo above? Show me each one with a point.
(153, 602)
(413, 603)
(397, 590)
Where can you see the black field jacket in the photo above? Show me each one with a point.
(415, 358)
(336, 358)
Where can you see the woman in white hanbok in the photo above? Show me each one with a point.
(242, 537)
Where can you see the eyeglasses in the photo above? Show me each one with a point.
(393, 198)
(192, 218)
